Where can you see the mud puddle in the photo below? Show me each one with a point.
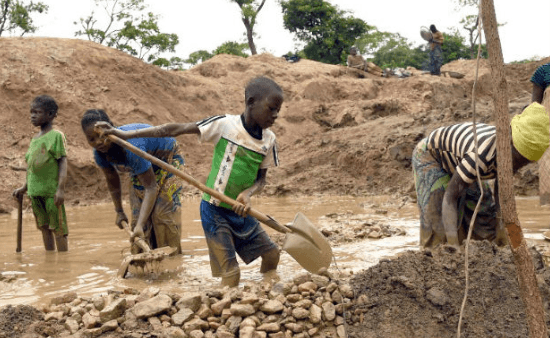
(96, 247)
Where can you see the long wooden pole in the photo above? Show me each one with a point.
(529, 289)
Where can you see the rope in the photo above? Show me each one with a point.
(472, 222)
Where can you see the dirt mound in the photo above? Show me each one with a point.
(339, 132)
(419, 294)
(14, 320)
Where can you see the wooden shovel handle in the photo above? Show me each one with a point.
(265, 219)
(19, 224)
(138, 240)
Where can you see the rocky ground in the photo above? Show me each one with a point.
(416, 295)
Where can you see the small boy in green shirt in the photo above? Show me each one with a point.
(46, 175)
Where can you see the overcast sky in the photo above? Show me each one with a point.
(206, 24)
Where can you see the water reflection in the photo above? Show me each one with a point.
(96, 248)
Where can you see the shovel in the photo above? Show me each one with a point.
(146, 257)
(304, 242)
(19, 224)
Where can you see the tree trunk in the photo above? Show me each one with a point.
(529, 289)
(249, 36)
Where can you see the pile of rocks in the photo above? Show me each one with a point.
(308, 306)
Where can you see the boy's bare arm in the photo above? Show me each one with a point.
(165, 130)
(113, 183)
(245, 195)
(62, 178)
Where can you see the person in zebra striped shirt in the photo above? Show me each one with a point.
(444, 166)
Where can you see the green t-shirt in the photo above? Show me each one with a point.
(42, 165)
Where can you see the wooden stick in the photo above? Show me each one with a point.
(19, 224)
(528, 286)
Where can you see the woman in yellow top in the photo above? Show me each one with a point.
(436, 59)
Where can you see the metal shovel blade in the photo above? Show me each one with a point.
(307, 245)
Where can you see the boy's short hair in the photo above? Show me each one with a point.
(46, 102)
(259, 87)
(92, 116)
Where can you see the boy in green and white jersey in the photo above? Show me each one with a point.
(244, 149)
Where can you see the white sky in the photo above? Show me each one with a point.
(206, 24)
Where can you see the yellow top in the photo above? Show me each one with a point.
(531, 131)
(437, 38)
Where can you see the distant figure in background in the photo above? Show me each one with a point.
(436, 59)
(541, 81)
(356, 61)
(46, 175)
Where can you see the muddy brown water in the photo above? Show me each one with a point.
(97, 246)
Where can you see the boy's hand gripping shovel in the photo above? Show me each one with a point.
(304, 242)
(145, 257)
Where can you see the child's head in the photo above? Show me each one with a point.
(353, 50)
(433, 29)
(263, 98)
(88, 122)
(43, 110)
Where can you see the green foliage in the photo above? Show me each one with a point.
(391, 50)
(249, 12)
(233, 48)
(128, 30)
(15, 16)
(198, 56)
(454, 48)
(328, 33)
(175, 63)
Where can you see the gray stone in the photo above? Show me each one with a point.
(91, 333)
(90, 321)
(71, 325)
(182, 316)
(308, 287)
(204, 312)
(225, 334)
(195, 324)
(295, 327)
(247, 332)
(148, 293)
(153, 306)
(249, 321)
(242, 310)
(315, 314)
(341, 331)
(272, 306)
(347, 291)
(233, 323)
(110, 326)
(155, 323)
(174, 332)
(269, 327)
(321, 281)
(329, 311)
(337, 297)
(196, 334)
(113, 310)
(300, 313)
(192, 302)
(99, 303)
(66, 298)
(217, 308)
(53, 316)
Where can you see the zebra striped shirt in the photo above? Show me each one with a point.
(453, 148)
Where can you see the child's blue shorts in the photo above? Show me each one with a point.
(228, 233)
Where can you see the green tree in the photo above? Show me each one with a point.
(391, 50)
(198, 56)
(15, 16)
(328, 33)
(233, 48)
(249, 12)
(128, 30)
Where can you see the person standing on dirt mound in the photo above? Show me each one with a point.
(154, 192)
(436, 58)
(446, 180)
(46, 175)
(244, 149)
(541, 81)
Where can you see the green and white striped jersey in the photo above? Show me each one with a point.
(238, 156)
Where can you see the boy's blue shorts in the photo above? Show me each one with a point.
(228, 233)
